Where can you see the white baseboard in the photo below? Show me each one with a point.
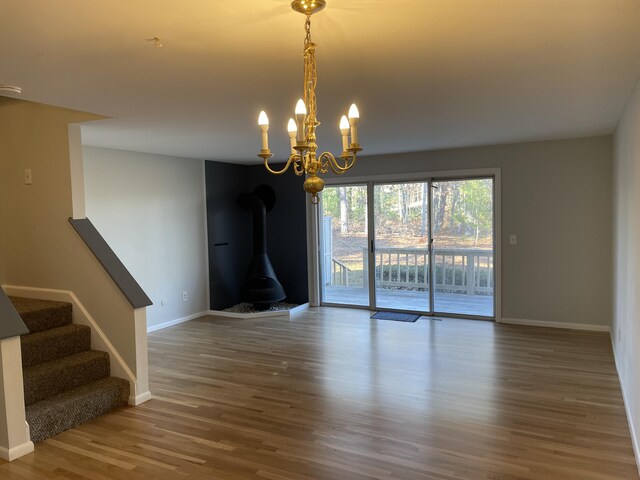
(635, 442)
(99, 340)
(280, 313)
(10, 454)
(138, 399)
(222, 313)
(178, 321)
(567, 326)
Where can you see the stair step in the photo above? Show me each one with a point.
(51, 378)
(39, 315)
(41, 347)
(75, 407)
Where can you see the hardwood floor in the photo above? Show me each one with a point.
(331, 394)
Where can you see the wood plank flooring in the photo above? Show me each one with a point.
(332, 394)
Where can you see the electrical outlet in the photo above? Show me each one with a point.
(28, 179)
(163, 303)
(185, 297)
(513, 239)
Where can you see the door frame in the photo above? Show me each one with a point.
(313, 229)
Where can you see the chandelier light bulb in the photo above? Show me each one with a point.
(263, 120)
(354, 118)
(353, 111)
(292, 128)
(301, 108)
(344, 130)
(263, 123)
(344, 125)
(301, 113)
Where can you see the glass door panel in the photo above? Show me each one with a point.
(463, 246)
(401, 214)
(344, 241)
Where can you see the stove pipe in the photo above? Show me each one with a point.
(262, 287)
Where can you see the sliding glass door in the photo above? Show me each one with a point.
(344, 253)
(463, 247)
(421, 246)
(401, 253)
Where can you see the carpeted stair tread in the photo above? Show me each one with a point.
(65, 382)
(75, 407)
(55, 343)
(51, 378)
(41, 315)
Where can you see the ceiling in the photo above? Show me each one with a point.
(426, 74)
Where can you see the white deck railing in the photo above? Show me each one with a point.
(339, 273)
(457, 270)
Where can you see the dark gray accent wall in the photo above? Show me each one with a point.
(229, 231)
(111, 263)
(11, 325)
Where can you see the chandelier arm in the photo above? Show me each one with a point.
(333, 163)
(298, 168)
(293, 158)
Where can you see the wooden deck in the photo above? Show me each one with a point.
(474, 305)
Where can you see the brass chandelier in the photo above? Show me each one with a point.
(302, 130)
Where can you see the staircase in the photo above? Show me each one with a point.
(65, 382)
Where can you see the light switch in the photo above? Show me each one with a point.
(27, 176)
(513, 239)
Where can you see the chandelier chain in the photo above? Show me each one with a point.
(307, 28)
(310, 82)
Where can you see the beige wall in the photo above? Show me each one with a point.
(556, 196)
(626, 320)
(39, 246)
(150, 209)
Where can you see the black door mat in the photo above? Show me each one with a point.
(395, 316)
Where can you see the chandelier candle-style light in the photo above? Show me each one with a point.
(302, 129)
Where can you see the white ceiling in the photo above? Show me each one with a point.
(426, 74)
